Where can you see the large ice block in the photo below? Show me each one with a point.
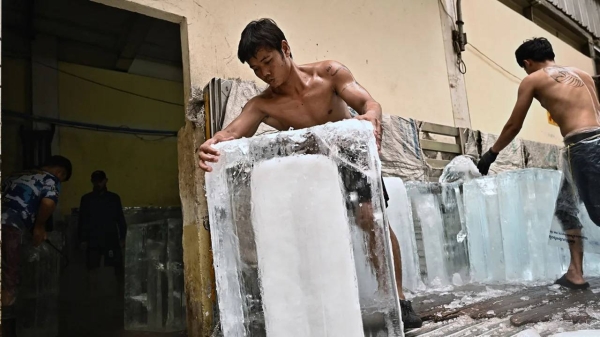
(37, 303)
(438, 212)
(401, 222)
(278, 270)
(482, 216)
(507, 217)
(154, 288)
(315, 274)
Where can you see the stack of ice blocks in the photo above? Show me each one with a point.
(37, 303)
(296, 243)
(154, 288)
(508, 219)
(401, 222)
(437, 211)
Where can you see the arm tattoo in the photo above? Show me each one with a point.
(564, 75)
(335, 71)
(349, 84)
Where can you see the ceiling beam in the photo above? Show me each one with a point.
(132, 40)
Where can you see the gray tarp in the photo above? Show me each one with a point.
(540, 155)
(511, 158)
(401, 154)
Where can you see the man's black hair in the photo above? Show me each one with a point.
(537, 49)
(258, 34)
(60, 161)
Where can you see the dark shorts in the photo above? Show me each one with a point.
(356, 182)
(11, 254)
(582, 157)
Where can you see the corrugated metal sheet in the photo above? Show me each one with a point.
(585, 12)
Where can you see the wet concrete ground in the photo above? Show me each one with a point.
(503, 311)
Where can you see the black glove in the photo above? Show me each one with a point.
(486, 161)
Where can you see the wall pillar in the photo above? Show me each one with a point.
(456, 79)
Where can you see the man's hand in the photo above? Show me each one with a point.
(207, 153)
(486, 161)
(39, 235)
(376, 126)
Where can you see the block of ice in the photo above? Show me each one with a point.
(248, 258)
(401, 222)
(154, 287)
(460, 168)
(315, 274)
(37, 303)
(437, 211)
(482, 215)
(506, 218)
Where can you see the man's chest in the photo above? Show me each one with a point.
(314, 107)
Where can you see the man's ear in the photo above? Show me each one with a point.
(285, 48)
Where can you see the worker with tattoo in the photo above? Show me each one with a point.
(302, 96)
(569, 95)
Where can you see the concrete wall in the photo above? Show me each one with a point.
(382, 42)
(142, 172)
(16, 98)
(497, 31)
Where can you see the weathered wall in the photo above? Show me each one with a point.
(497, 31)
(382, 42)
(142, 172)
(16, 98)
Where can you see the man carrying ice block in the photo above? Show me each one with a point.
(569, 94)
(302, 96)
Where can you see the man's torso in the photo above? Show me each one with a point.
(568, 94)
(317, 104)
(22, 194)
(102, 213)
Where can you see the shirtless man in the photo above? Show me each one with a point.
(300, 96)
(569, 94)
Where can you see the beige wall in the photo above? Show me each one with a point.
(497, 31)
(383, 42)
(142, 170)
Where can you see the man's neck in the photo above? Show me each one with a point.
(547, 64)
(294, 85)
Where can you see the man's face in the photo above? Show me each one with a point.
(61, 174)
(100, 184)
(270, 66)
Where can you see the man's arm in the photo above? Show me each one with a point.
(513, 125)
(515, 122)
(355, 96)
(245, 125)
(44, 212)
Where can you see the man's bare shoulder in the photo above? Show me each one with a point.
(257, 103)
(323, 68)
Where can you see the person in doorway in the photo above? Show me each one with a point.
(302, 96)
(102, 227)
(569, 94)
(28, 200)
